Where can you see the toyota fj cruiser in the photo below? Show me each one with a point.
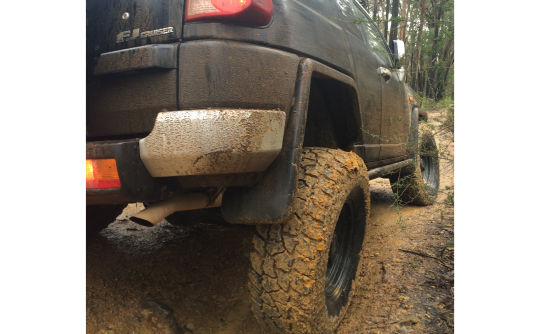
(274, 113)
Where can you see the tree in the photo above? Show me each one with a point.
(427, 29)
(404, 15)
(386, 20)
(395, 22)
(419, 43)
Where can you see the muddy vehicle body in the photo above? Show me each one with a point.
(269, 113)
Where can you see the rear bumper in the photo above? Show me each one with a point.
(209, 142)
(191, 149)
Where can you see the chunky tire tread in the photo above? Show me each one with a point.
(289, 260)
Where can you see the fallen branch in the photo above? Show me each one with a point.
(442, 252)
(425, 255)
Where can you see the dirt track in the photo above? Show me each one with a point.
(169, 279)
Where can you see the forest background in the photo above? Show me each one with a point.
(427, 29)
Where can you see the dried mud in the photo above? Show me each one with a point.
(169, 279)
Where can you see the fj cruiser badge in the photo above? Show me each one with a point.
(125, 36)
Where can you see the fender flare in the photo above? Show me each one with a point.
(271, 200)
(413, 135)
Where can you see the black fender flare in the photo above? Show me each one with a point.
(413, 135)
(271, 200)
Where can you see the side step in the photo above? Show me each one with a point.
(378, 172)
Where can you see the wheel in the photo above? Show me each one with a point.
(421, 185)
(304, 271)
(99, 217)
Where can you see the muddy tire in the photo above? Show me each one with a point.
(304, 271)
(98, 217)
(420, 186)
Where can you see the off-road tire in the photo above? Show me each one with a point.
(98, 217)
(420, 185)
(288, 278)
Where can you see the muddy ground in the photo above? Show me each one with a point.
(169, 279)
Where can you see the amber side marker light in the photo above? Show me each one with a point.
(101, 174)
(411, 99)
(253, 13)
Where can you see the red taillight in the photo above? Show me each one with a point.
(231, 6)
(101, 173)
(256, 13)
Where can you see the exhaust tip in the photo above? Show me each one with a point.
(141, 221)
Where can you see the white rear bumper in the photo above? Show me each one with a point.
(204, 142)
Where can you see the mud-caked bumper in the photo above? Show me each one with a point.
(210, 142)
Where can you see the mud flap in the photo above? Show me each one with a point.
(271, 200)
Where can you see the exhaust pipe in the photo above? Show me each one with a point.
(190, 201)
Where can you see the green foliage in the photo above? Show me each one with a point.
(432, 104)
(427, 29)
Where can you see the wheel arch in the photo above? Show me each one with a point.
(422, 114)
(243, 205)
(332, 119)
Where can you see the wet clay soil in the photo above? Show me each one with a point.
(169, 279)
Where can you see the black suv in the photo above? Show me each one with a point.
(274, 113)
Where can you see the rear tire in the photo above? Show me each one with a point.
(304, 271)
(98, 217)
(421, 185)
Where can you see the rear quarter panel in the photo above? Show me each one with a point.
(310, 28)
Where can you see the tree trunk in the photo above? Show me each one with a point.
(404, 18)
(386, 20)
(394, 25)
(405, 34)
(433, 73)
(375, 6)
(424, 83)
(419, 43)
(444, 83)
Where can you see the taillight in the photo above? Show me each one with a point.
(256, 13)
(101, 173)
